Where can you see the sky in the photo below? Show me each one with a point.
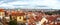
(30, 4)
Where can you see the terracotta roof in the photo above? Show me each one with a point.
(2, 10)
(20, 14)
(51, 18)
(17, 14)
(13, 13)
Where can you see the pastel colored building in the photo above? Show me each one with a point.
(2, 13)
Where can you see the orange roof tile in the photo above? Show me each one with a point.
(13, 13)
(2, 10)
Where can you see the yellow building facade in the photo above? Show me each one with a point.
(2, 13)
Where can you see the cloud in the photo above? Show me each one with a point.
(17, 3)
(54, 4)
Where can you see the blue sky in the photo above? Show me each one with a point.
(40, 4)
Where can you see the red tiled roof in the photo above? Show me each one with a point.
(51, 18)
(2, 10)
(17, 14)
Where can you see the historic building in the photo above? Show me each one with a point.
(2, 13)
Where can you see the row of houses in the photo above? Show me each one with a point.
(7, 15)
(29, 17)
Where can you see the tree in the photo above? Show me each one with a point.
(49, 13)
(13, 22)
